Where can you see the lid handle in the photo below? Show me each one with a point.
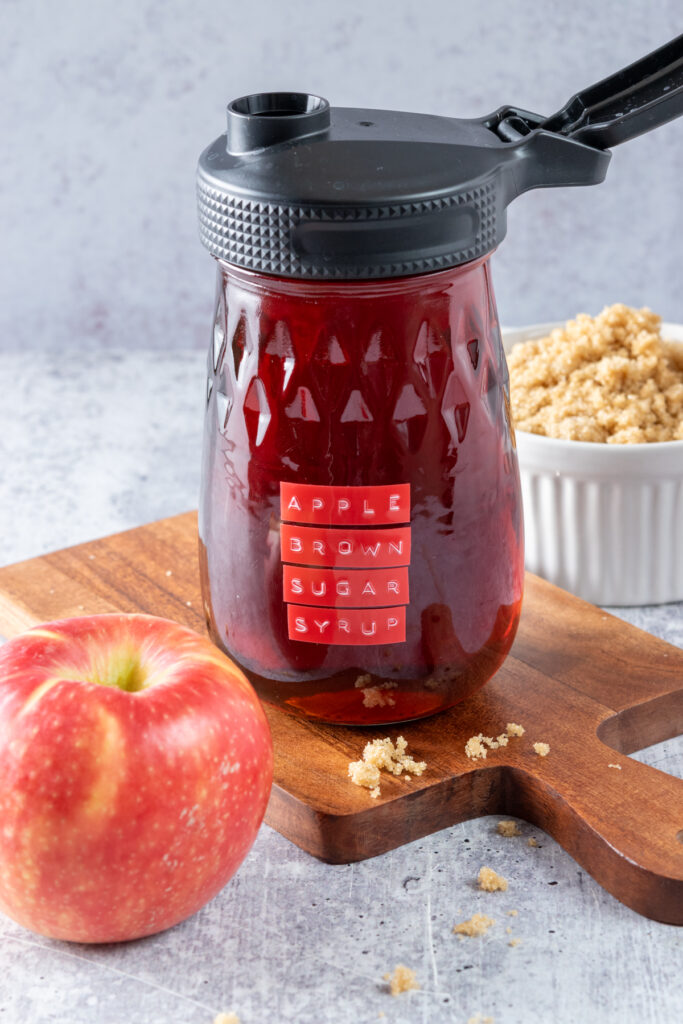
(631, 101)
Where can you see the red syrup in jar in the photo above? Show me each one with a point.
(360, 388)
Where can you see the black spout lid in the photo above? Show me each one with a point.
(298, 189)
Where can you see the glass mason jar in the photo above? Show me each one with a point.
(360, 524)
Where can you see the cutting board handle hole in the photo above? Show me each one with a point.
(641, 726)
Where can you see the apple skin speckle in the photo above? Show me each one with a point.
(124, 810)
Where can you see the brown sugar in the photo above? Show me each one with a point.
(478, 924)
(376, 696)
(610, 378)
(402, 980)
(226, 1018)
(531, 841)
(508, 829)
(392, 757)
(542, 749)
(478, 1019)
(514, 942)
(363, 774)
(383, 755)
(512, 729)
(476, 746)
(489, 881)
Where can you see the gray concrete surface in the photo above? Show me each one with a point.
(98, 441)
(107, 106)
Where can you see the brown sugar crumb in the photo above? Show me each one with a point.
(514, 942)
(363, 774)
(489, 881)
(610, 378)
(508, 930)
(542, 749)
(617, 766)
(508, 829)
(478, 1019)
(531, 841)
(512, 913)
(402, 980)
(383, 755)
(392, 758)
(226, 1018)
(478, 924)
(476, 746)
(512, 729)
(375, 696)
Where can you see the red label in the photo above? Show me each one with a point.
(335, 588)
(317, 545)
(352, 626)
(344, 585)
(345, 506)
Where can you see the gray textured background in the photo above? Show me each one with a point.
(106, 107)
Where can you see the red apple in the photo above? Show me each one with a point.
(135, 768)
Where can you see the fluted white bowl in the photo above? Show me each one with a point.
(604, 521)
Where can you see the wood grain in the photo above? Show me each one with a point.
(593, 687)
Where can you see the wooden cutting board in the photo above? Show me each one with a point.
(590, 685)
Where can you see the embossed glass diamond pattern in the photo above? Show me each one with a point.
(219, 330)
(257, 412)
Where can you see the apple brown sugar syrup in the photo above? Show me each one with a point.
(361, 542)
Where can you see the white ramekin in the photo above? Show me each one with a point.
(604, 521)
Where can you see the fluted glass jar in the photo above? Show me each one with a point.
(360, 522)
